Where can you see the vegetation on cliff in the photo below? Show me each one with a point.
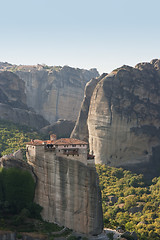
(14, 137)
(18, 211)
(16, 190)
(129, 202)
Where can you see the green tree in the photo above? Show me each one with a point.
(18, 188)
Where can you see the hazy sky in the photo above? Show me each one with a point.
(81, 33)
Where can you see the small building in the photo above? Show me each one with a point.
(65, 147)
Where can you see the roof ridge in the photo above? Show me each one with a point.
(62, 141)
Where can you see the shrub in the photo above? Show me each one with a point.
(35, 210)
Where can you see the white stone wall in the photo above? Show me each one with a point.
(81, 157)
(30, 153)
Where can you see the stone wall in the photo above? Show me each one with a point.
(81, 157)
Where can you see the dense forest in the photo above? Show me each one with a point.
(130, 203)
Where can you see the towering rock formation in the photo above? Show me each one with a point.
(68, 190)
(124, 118)
(53, 92)
(80, 130)
(13, 105)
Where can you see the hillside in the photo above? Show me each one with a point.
(129, 202)
(14, 137)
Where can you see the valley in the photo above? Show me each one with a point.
(117, 114)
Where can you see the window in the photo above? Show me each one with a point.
(73, 145)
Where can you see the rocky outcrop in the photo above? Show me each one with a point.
(80, 130)
(8, 235)
(68, 191)
(13, 105)
(12, 90)
(22, 116)
(9, 161)
(53, 92)
(61, 128)
(124, 118)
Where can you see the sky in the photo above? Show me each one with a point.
(102, 34)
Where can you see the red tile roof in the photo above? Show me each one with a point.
(35, 142)
(62, 141)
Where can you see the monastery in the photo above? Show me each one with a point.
(67, 184)
(65, 147)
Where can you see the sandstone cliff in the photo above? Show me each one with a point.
(61, 128)
(12, 90)
(53, 92)
(13, 162)
(80, 130)
(13, 105)
(124, 118)
(68, 191)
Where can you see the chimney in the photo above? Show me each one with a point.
(53, 137)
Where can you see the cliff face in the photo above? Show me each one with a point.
(13, 105)
(124, 118)
(12, 90)
(61, 128)
(22, 116)
(55, 92)
(68, 191)
(80, 130)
